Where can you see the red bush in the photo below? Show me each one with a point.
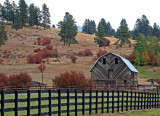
(101, 52)
(37, 50)
(81, 53)
(49, 47)
(42, 67)
(152, 58)
(3, 79)
(86, 52)
(55, 54)
(39, 41)
(73, 58)
(72, 79)
(1, 61)
(106, 43)
(46, 41)
(131, 57)
(20, 80)
(37, 58)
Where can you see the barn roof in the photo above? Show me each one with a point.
(127, 62)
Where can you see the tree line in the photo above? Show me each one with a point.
(22, 14)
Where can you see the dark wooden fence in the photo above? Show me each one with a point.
(74, 102)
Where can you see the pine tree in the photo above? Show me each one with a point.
(89, 26)
(104, 24)
(142, 26)
(68, 29)
(7, 8)
(45, 16)
(2, 13)
(156, 31)
(32, 15)
(123, 33)
(17, 20)
(38, 16)
(100, 35)
(23, 12)
(13, 10)
(3, 35)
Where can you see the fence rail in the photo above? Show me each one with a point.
(74, 102)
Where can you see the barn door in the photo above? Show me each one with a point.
(110, 74)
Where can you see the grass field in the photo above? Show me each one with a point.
(151, 112)
(44, 101)
(149, 72)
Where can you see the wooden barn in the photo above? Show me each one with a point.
(112, 70)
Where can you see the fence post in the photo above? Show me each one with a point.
(127, 101)
(158, 100)
(83, 102)
(16, 103)
(90, 102)
(28, 102)
(145, 100)
(102, 109)
(112, 101)
(131, 100)
(122, 101)
(96, 101)
(2, 103)
(138, 99)
(39, 102)
(75, 102)
(155, 101)
(67, 102)
(141, 101)
(118, 102)
(107, 101)
(150, 105)
(59, 102)
(152, 100)
(50, 103)
(135, 100)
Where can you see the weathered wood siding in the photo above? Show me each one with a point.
(110, 71)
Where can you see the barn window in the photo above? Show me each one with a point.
(125, 82)
(116, 60)
(104, 60)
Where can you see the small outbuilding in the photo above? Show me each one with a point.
(112, 70)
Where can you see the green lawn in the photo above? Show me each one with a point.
(149, 72)
(152, 112)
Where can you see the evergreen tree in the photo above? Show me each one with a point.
(1, 12)
(104, 24)
(13, 10)
(45, 16)
(109, 29)
(89, 26)
(123, 33)
(100, 35)
(23, 8)
(68, 29)
(93, 26)
(142, 26)
(38, 16)
(156, 31)
(7, 8)
(32, 16)
(3, 35)
(17, 20)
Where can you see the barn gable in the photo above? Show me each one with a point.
(127, 62)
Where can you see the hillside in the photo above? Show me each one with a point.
(21, 44)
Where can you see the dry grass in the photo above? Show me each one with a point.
(21, 44)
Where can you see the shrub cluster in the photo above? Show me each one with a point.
(17, 80)
(86, 52)
(72, 79)
(3, 79)
(42, 54)
(37, 50)
(143, 58)
(43, 41)
(106, 43)
(20, 80)
(101, 52)
(73, 58)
